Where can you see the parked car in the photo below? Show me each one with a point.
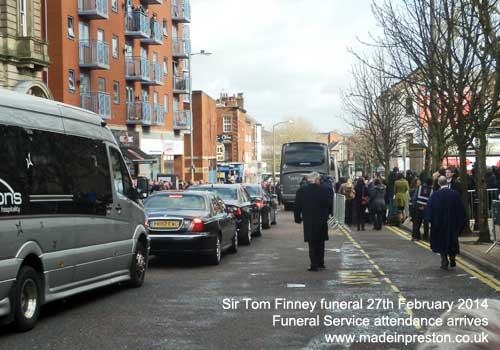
(266, 202)
(247, 213)
(187, 222)
(70, 219)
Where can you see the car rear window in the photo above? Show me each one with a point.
(225, 193)
(253, 190)
(176, 202)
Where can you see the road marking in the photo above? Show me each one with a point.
(400, 295)
(295, 285)
(479, 274)
(358, 277)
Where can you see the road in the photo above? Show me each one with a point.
(181, 305)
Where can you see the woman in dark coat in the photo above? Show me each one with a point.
(377, 204)
(446, 213)
(361, 201)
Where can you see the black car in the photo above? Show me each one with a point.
(247, 213)
(190, 223)
(265, 201)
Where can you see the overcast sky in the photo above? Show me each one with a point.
(289, 57)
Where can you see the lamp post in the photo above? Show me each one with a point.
(191, 141)
(274, 148)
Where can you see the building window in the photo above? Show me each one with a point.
(165, 65)
(116, 92)
(165, 32)
(165, 103)
(114, 43)
(71, 81)
(114, 5)
(23, 18)
(101, 84)
(227, 126)
(71, 31)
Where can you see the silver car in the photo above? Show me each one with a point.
(70, 218)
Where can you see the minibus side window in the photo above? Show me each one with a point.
(121, 178)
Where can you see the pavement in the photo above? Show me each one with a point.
(185, 304)
(475, 252)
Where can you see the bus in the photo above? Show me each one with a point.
(299, 159)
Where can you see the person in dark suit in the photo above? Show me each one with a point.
(446, 213)
(312, 205)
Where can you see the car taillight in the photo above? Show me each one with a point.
(237, 212)
(259, 204)
(197, 225)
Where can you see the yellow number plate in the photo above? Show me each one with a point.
(166, 224)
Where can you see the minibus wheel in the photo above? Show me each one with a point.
(27, 299)
(139, 265)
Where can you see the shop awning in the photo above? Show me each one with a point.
(135, 155)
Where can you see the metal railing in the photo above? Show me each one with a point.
(338, 218)
(93, 8)
(158, 115)
(94, 54)
(137, 68)
(155, 33)
(181, 47)
(137, 24)
(156, 77)
(491, 195)
(97, 102)
(182, 120)
(139, 113)
(181, 11)
(180, 84)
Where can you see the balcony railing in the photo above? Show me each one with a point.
(97, 102)
(94, 54)
(138, 113)
(93, 9)
(181, 11)
(137, 25)
(181, 47)
(156, 77)
(180, 85)
(137, 68)
(155, 33)
(182, 120)
(158, 115)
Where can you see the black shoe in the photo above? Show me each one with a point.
(313, 269)
(444, 262)
(322, 267)
(453, 262)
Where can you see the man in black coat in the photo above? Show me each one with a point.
(446, 213)
(312, 205)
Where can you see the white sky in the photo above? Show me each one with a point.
(289, 57)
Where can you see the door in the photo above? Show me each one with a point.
(84, 37)
(85, 96)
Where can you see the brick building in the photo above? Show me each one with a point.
(126, 60)
(23, 47)
(204, 138)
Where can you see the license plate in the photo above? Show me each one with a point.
(168, 224)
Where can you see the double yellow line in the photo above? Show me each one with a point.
(482, 276)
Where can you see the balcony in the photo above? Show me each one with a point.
(181, 11)
(93, 9)
(156, 33)
(137, 25)
(156, 77)
(97, 102)
(30, 51)
(158, 115)
(94, 54)
(138, 113)
(182, 120)
(138, 69)
(181, 85)
(181, 47)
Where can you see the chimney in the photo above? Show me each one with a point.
(240, 100)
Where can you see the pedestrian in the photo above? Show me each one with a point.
(312, 205)
(401, 188)
(347, 189)
(389, 193)
(420, 200)
(377, 203)
(451, 178)
(361, 200)
(446, 213)
(415, 183)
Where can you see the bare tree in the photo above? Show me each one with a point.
(376, 108)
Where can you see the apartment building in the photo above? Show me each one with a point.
(23, 47)
(126, 61)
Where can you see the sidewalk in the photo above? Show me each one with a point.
(474, 252)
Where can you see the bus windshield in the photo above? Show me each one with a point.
(303, 154)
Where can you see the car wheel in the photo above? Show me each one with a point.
(258, 233)
(266, 221)
(215, 257)
(139, 265)
(27, 299)
(234, 246)
(247, 238)
(275, 221)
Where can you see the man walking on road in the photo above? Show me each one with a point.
(446, 213)
(312, 205)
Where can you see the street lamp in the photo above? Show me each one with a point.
(274, 148)
(191, 141)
